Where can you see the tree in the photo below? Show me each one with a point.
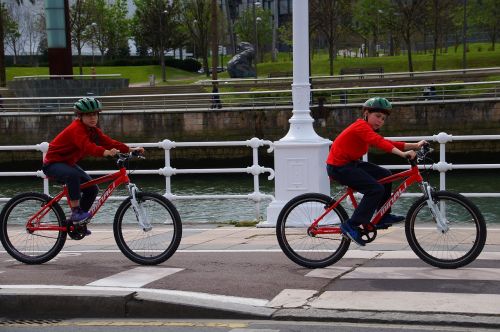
(2, 46)
(196, 18)
(118, 29)
(11, 33)
(80, 26)
(330, 18)
(245, 26)
(438, 15)
(411, 14)
(485, 15)
(371, 21)
(155, 26)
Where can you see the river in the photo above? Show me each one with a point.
(237, 210)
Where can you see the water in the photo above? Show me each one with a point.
(211, 210)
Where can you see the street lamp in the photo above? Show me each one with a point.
(162, 51)
(256, 39)
(258, 19)
(93, 26)
(380, 11)
(195, 22)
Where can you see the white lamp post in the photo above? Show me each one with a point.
(299, 157)
(93, 25)
(162, 51)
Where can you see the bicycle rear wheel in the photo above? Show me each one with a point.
(311, 251)
(31, 247)
(456, 247)
(153, 246)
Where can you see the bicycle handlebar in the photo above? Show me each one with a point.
(121, 158)
(421, 154)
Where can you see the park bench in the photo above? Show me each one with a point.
(361, 71)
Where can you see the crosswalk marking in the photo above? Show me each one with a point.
(394, 272)
(409, 301)
(291, 298)
(137, 277)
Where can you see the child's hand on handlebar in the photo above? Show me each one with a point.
(410, 154)
(422, 143)
(110, 153)
(138, 150)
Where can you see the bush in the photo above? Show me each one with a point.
(189, 64)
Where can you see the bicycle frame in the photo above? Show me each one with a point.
(117, 178)
(410, 177)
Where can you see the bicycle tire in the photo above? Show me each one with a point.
(304, 249)
(458, 246)
(31, 248)
(148, 247)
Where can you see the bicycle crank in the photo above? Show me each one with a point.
(368, 233)
(76, 232)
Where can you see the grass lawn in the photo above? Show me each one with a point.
(477, 57)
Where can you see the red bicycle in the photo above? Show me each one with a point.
(147, 227)
(444, 229)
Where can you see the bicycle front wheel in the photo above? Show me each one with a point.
(305, 249)
(31, 246)
(457, 245)
(152, 245)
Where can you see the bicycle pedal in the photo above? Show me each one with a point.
(82, 222)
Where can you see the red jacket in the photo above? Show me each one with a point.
(354, 141)
(77, 141)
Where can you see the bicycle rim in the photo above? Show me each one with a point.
(456, 247)
(31, 247)
(152, 246)
(305, 249)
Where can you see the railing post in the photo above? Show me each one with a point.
(44, 147)
(167, 170)
(442, 166)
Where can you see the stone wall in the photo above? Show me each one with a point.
(226, 125)
(65, 87)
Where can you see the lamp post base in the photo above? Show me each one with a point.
(300, 168)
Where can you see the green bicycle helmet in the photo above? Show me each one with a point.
(378, 104)
(87, 105)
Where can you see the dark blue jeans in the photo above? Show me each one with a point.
(73, 176)
(362, 176)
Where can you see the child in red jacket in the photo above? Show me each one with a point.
(80, 139)
(345, 166)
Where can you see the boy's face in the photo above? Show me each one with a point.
(90, 119)
(376, 119)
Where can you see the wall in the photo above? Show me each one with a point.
(226, 125)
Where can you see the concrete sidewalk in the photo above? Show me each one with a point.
(109, 302)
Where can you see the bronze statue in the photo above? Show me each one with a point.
(241, 65)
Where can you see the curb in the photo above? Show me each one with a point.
(45, 304)
(389, 317)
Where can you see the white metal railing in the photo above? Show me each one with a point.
(258, 100)
(323, 78)
(442, 166)
(168, 171)
(35, 77)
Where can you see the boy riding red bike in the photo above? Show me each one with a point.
(81, 138)
(344, 165)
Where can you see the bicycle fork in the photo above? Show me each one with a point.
(141, 215)
(438, 212)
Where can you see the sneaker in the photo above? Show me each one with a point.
(389, 220)
(78, 215)
(352, 232)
